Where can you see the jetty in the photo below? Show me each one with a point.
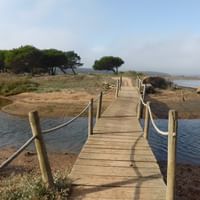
(117, 161)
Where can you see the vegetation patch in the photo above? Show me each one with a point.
(29, 187)
(18, 85)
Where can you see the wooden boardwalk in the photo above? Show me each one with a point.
(117, 162)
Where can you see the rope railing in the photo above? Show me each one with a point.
(66, 123)
(14, 155)
(171, 133)
(151, 117)
(141, 99)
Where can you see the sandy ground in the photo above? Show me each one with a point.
(27, 162)
(53, 104)
(185, 101)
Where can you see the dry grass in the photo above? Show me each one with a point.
(15, 84)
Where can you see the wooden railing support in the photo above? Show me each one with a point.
(171, 163)
(41, 150)
(146, 121)
(117, 89)
(139, 109)
(90, 118)
(99, 106)
(120, 81)
(144, 92)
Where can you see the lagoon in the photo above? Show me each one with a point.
(187, 83)
(14, 131)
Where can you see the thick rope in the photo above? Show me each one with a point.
(66, 123)
(14, 155)
(150, 112)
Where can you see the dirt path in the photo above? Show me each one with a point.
(127, 82)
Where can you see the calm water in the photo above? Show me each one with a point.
(14, 131)
(188, 143)
(188, 83)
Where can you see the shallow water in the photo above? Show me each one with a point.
(14, 131)
(188, 142)
(188, 83)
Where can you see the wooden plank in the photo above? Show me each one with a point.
(88, 149)
(122, 140)
(125, 147)
(116, 163)
(89, 180)
(147, 158)
(115, 136)
(116, 171)
(120, 144)
(117, 133)
(94, 192)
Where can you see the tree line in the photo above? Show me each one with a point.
(29, 59)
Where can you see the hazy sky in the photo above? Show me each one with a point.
(155, 35)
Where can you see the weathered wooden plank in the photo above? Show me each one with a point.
(107, 146)
(122, 140)
(88, 149)
(118, 143)
(94, 192)
(89, 180)
(116, 171)
(116, 163)
(117, 133)
(147, 158)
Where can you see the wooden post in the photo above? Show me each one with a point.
(90, 118)
(144, 92)
(139, 109)
(146, 121)
(171, 162)
(99, 106)
(136, 83)
(120, 81)
(41, 150)
(139, 87)
(117, 89)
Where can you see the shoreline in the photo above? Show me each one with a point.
(54, 104)
(184, 100)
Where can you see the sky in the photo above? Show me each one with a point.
(149, 35)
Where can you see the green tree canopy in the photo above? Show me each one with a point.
(2, 60)
(52, 59)
(108, 63)
(28, 59)
(23, 59)
(72, 61)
